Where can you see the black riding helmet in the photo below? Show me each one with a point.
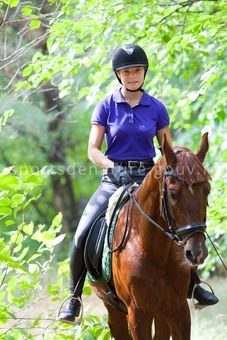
(129, 56)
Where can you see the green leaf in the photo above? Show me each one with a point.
(37, 236)
(28, 228)
(23, 253)
(52, 290)
(88, 336)
(13, 3)
(87, 290)
(27, 71)
(34, 257)
(17, 199)
(5, 202)
(9, 222)
(26, 10)
(11, 263)
(37, 56)
(106, 335)
(5, 211)
(35, 179)
(58, 240)
(8, 181)
(56, 223)
(5, 116)
(34, 24)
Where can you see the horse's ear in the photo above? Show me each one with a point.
(168, 152)
(204, 146)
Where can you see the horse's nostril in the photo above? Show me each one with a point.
(189, 256)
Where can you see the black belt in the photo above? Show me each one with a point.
(136, 164)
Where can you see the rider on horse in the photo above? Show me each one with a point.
(129, 118)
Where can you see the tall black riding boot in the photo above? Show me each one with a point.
(204, 297)
(72, 310)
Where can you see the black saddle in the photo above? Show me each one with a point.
(94, 245)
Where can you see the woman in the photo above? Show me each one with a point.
(130, 118)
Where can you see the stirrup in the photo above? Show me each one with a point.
(78, 319)
(197, 305)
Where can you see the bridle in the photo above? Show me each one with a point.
(183, 233)
(179, 234)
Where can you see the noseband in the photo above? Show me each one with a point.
(179, 234)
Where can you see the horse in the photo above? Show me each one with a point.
(166, 220)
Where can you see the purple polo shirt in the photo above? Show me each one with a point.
(130, 130)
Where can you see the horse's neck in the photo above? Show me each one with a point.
(148, 197)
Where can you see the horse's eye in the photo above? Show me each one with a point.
(173, 195)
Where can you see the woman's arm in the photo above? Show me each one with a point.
(160, 135)
(94, 145)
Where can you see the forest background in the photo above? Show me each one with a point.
(55, 64)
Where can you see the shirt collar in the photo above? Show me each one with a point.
(117, 97)
(145, 99)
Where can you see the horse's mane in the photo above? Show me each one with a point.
(189, 167)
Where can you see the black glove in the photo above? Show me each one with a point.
(121, 175)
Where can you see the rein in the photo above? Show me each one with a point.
(176, 234)
(149, 219)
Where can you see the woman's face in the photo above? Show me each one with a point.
(132, 78)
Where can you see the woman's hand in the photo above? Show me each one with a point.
(120, 175)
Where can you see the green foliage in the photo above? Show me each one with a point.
(22, 261)
(185, 42)
(27, 255)
(4, 118)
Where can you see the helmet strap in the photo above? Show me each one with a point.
(137, 90)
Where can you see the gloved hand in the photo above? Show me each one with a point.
(121, 175)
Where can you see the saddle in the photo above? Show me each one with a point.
(98, 252)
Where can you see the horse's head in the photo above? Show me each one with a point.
(185, 188)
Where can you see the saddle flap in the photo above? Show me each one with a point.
(94, 246)
(97, 252)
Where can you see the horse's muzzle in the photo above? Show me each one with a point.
(196, 250)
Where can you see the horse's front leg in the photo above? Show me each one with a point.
(180, 323)
(162, 331)
(117, 323)
(139, 324)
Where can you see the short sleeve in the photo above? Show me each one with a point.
(100, 114)
(163, 117)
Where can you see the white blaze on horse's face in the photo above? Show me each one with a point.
(190, 189)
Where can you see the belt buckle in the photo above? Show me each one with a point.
(142, 165)
(130, 164)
